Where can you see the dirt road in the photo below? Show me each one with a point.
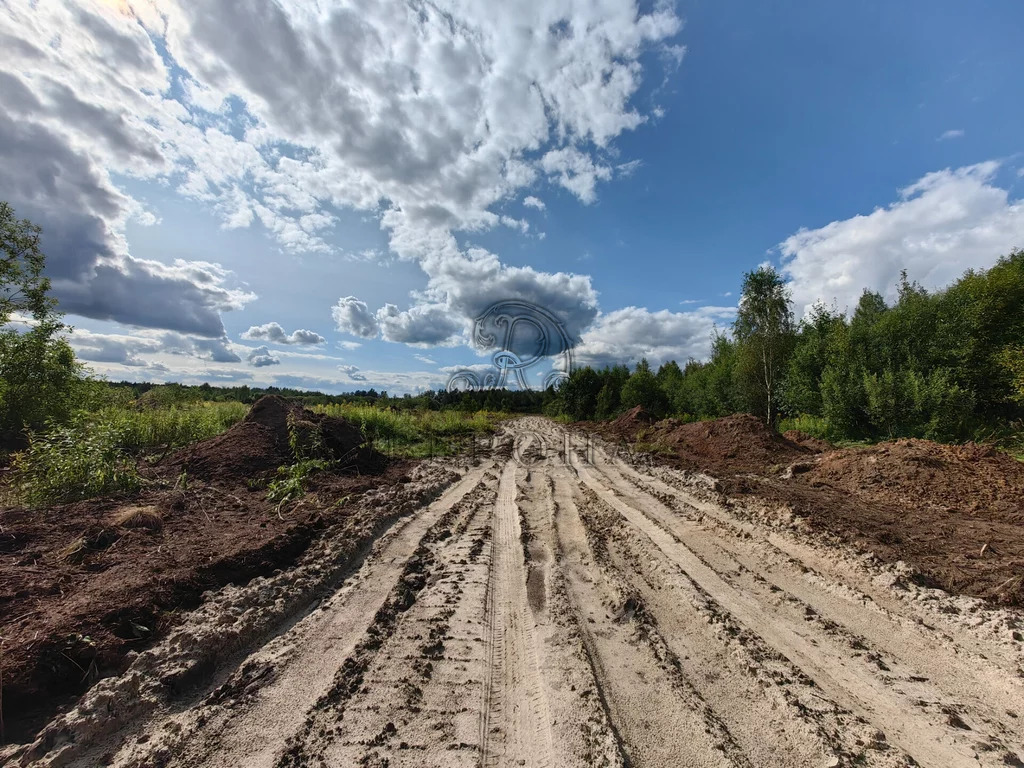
(559, 606)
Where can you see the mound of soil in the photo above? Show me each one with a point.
(954, 513)
(633, 420)
(84, 584)
(971, 479)
(260, 443)
(813, 444)
(735, 444)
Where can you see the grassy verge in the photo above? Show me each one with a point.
(416, 434)
(97, 453)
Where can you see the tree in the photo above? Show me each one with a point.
(811, 354)
(39, 376)
(643, 389)
(765, 332)
(23, 289)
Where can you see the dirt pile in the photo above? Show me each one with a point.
(260, 443)
(813, 444)
(955, 513)
(970, 479)
(633, 419)
(739, 443)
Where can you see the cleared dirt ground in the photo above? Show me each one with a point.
(560, 605)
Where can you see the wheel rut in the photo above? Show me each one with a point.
(558, 606)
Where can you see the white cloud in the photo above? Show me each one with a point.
(628, 334)
(942, 225)
(422, 325)
(353, 316)
(351, 373)
(262, 357)
(534, 202)
(956, 133)
(273, 332)
(425, 359)
(576, 171)
(428, 117)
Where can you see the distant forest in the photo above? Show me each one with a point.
(946, 365)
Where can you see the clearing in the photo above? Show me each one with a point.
(554, 601)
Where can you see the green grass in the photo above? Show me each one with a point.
(815, 426)
(97, 453)
(415, 433)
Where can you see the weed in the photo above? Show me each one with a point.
(415, 433)
(73, 462)
(815, 426)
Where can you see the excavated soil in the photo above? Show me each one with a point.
(738, 443)
(84, 586)
(559, 603)
(955, 514)
(260, 443)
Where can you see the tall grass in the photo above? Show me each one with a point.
(97, 453)
(814, 426)
(414, 433)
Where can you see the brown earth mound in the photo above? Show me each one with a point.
(971, 479)
(633, 419)
(738, 443)
(260, 443)
(954, 513)
(813, 444)
(84, 584)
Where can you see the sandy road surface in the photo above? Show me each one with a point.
(557, 606)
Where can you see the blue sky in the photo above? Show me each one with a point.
(376, 175)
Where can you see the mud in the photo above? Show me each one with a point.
(85, 586)
(539, 609)
(953, 514)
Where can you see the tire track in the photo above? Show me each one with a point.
(659, 724)
(276, 686)
(514, 722)
(851, 683)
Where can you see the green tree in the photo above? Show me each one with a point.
(642, 389)
(765, 333)
(811, 354)
(39, 375)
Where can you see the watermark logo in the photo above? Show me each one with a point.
(529, 344)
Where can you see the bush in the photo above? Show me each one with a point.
(414, 433)
(96, 453)
(73, 462)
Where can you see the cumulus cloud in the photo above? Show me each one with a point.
(273, 332)
(351, 373)
(956, 133)
(353, 316)
(112, 348)
(423, 325)
(261, 357)
(534, 202)
(72, 112)
(427, 116)
(576, 171)
(629, 334)
(216, 350)
(942, 225)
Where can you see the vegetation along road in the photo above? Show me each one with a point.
(559, 605)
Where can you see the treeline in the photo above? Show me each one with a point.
(169, 395)
(943, 365)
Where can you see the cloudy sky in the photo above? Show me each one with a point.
(325, 193)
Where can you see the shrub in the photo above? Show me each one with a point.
(73, 462)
